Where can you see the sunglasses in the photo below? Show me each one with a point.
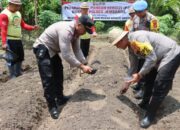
(139, 11)
(131, 13)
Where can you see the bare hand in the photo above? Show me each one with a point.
(94, 34)
(4, 46)
(135, 78)
(125, 87)
(36, 27)
(85, 68)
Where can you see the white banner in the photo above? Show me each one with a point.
(104, 11)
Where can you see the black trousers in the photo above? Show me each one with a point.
(143, 80)
(85, 44)
(158, 84)
(51, 73)
(16, 47)
(14, 67)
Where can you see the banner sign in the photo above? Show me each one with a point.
(103, 11)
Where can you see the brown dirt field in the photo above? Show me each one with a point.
(95, 103)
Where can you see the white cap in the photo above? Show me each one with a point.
(84, 5)
(16, 2)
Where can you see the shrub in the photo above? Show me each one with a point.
(176, 32)
(166, 23)
(47, 18)
(99, 26)
(177, 26)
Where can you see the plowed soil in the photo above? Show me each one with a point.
(95, 103)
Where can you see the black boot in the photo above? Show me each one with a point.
(144, 104)
(139, 94)
(52, 107)
(151, 112)
(18, 69)
(136, 87)
(63, 100)
(11, 71)
(138, 90)
(54, 111)
(147, 121)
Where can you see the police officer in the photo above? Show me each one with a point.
(162, 59)
(61, 37)
(143, 20)
(129, 23)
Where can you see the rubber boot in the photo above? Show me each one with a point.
(139, 94)
(17, 67)
(139, 90)
(11, 70)
(63, 100)
(53, 110)
(136, 87)
(151, 112)
(144, 103)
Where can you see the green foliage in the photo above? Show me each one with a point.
(169, 12)
(169, 27)
(52, 5)
(176, 32)
(27, 10)
(4, 3)
(177, 26)
(99, 26)
(47, 18)
(94, 0)
(166, 23)
(162, 7)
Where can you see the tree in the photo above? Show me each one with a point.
(162, 7)
(35, 11)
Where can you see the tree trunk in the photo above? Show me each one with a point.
(35, 5)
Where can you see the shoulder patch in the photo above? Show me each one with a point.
(154, 25)
(144, 48)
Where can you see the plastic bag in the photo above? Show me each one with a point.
(9, 56)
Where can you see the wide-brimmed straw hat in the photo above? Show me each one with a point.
(16, 2)
(116, 34)
(84, 5)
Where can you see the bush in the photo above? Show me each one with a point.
(99, 26)
(169, 27)
(166, 23)
(47, 18)
(176, 32)
(177, 26)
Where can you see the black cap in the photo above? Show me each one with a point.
(87, 22)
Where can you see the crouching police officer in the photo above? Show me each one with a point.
(60, 37)
(162, 59)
